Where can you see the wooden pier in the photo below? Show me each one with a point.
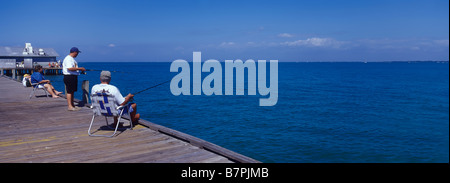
(41, 129)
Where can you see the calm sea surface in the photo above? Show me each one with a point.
(326, 112)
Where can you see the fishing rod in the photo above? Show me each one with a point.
(130, 72)
(103, 70)
(152, 87)
(159, 85)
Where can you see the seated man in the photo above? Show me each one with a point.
(105, 87)
(38, 77)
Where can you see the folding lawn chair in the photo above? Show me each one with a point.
(104, 104)
(37, 86)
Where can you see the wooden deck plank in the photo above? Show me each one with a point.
(42, 130)
(143, 156)
(133, 152)
(71, 149)
(94, 145)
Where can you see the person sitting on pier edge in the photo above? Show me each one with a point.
(105, 87)
(37, 77)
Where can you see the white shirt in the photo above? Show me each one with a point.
(69, 62)
(24, 81)
(109, 89)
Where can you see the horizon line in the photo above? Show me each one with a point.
(278, 61)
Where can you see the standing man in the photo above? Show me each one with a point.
(71, 72)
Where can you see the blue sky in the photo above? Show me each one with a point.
(322, 30)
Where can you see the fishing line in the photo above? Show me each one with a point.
(109, 71)
(245, 89)
(152, 87)
(143, 89)
(130, 72)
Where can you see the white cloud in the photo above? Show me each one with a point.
(111, 45)
(415, 48)
(285, 35)
(402, 44)
(331, 43)
(315, 42)
(227, 44)
(443, 42)
(261, 44)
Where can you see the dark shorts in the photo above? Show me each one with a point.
(71, 82)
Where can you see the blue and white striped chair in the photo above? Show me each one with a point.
(104, 104)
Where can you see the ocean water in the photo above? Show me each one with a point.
(326, 112)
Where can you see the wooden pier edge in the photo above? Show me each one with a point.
(233, 156)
